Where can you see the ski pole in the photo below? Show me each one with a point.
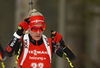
(2, 63)
(2, 56)
(67, 58)
(19, 51)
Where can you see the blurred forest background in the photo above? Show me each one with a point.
(77, 20)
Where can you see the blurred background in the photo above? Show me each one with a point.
(77, 20)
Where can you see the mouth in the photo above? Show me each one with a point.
(37, 36)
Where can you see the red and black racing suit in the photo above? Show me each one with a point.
(37, 55)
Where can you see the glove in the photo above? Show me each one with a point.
(24, 24)
(56, 37)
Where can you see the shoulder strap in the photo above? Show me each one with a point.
(26, 39)
(45, 40)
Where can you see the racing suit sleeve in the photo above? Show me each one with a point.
(13, 45)
(63, 49)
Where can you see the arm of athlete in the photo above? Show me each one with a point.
(13, 45)
(62, 47)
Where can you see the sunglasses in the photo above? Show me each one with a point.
(35, 29)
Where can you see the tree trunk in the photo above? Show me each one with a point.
(6, 29)
(61, 63)
(21, 12)
(92, 35)
(74, 30)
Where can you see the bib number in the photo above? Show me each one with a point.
(35, 65)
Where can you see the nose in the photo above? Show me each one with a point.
(38, 32)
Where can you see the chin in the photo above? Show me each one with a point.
(37, 39)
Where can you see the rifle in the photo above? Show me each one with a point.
(31, 4)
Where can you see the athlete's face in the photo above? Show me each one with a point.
(36, 32)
